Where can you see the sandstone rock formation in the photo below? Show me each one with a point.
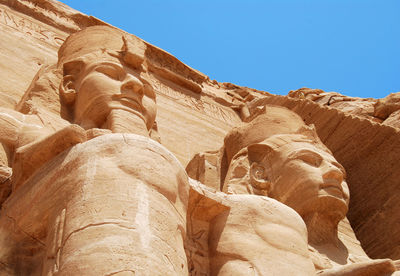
(377, 110)
(97, 125)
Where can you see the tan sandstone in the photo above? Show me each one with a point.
(97, 126)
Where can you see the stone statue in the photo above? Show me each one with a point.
(94, 193)
(98, 196)
(276, 156)
(105, 88)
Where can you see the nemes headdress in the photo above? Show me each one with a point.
(102, 39)
(274, 121)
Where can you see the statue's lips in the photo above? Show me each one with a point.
(130, 104)
(333, 186)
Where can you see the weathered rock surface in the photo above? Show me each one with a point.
(96, 126)
(383, 110)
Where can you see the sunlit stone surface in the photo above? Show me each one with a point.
(97, 127)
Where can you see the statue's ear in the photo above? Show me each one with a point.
(260, 169)
(71, 72)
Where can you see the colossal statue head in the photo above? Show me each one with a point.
(277, 155)
(105, 82)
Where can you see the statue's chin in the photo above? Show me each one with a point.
(126, 121)
(117, 107)
(100, 113)
(329, 206)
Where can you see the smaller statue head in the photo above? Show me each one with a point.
(277, 155)
(105, 82)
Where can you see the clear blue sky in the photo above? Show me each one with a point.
(348, 46)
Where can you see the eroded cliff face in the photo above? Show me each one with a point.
(194, 114)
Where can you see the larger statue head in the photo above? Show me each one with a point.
(277, 155)
(105, 81)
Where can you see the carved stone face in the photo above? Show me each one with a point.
(108, 85)
(309, 180)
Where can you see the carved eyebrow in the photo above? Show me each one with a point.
(297, 153)
(112, 64)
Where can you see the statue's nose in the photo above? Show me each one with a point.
(131, 84)
(331, 172)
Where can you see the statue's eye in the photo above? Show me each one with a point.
(311, 159)
(110, 71)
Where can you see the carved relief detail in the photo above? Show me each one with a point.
(47, 12)
(26, 26)
(197, 104)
